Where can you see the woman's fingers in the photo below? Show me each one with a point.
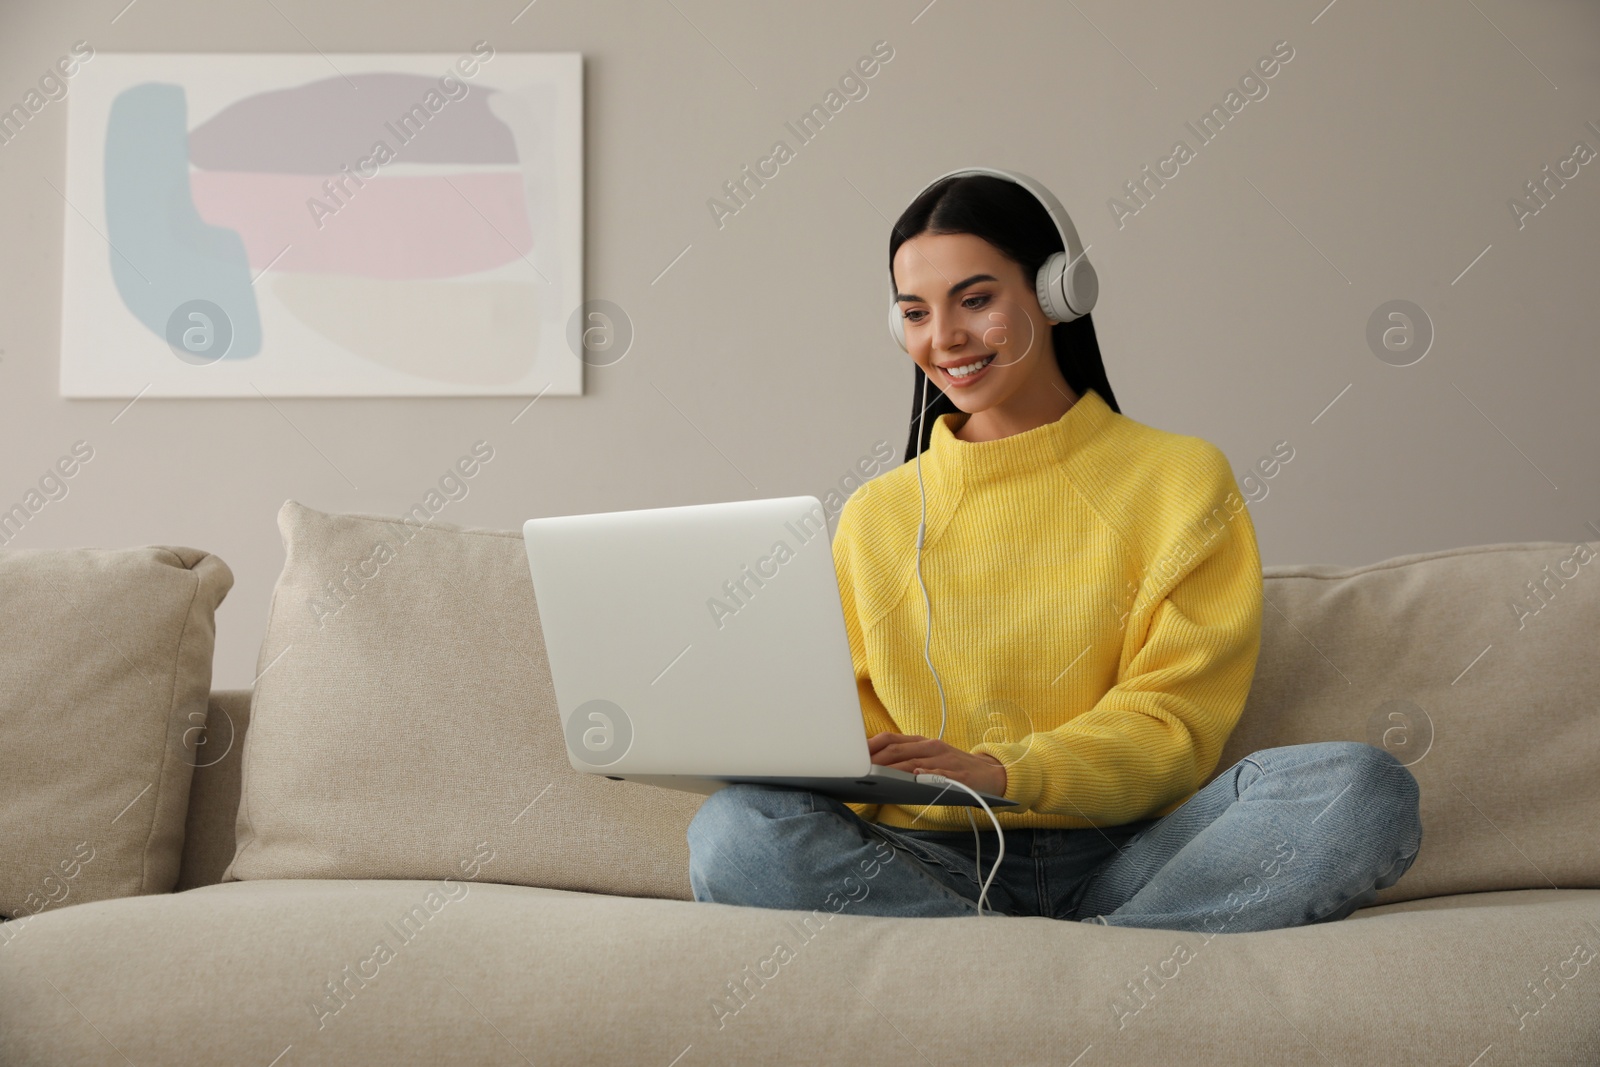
(917, 754)
(879, 741)
(892, 751)
(886, 740)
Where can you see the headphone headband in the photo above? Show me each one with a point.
(1066, 284)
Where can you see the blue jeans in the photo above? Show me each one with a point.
(1285, 837)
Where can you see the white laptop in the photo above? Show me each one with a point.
(696, 646)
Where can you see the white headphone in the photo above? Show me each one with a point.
(1066, 284)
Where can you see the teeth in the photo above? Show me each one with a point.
(969, 369)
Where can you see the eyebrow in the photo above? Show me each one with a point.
(954, 289)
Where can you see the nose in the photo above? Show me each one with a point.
(948, 332)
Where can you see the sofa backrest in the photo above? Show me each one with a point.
(1476, 666)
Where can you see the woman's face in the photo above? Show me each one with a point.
(963, 303)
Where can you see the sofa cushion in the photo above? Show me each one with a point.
(1477, 668)
(436, 971)
(105, 672)
(404, 721)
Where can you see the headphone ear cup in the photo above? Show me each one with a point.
(1083, 285)
(1047, 285)
(897, 326)
(1066, 293)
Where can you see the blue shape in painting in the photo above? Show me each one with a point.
(163, 254)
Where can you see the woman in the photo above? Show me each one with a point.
(1095, 597)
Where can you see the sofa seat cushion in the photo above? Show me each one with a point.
(451, 971)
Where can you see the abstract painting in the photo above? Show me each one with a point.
(310, 225)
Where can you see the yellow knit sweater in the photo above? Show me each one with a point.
(1096, 593)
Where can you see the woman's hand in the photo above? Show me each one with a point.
(922, 755)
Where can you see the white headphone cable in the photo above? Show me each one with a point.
(983, 893)
(922, 529)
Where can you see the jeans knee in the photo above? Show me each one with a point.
(1382, 773)
(717, 810)
(736, 813)
(738, 851)
(1390, 785)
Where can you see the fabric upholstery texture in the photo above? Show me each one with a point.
(496, 974)
(1431, 656)
(208, 841)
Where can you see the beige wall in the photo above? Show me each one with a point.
(1234, 304)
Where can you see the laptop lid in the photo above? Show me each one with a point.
(699, 640)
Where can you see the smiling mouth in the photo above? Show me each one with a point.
(966, 372)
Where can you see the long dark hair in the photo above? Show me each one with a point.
(1009, 217)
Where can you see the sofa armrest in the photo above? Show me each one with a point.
(208, 841)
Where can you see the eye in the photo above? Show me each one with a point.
(971, 303)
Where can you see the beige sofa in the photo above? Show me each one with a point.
(385, 858)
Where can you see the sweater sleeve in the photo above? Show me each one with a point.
(874, 716)
(1155, 736)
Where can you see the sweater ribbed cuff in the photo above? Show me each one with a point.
(1023, 778)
